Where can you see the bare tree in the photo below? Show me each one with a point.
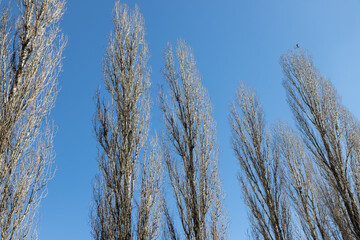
(261, 177)
(121, 128)
(303, 181)
(331, 135)
(191, 151)
(30, 60)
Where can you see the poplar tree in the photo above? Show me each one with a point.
(30, 60)
(121, 127)
(190, 151)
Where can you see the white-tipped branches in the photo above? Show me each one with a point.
(190, 150)
(30, 60)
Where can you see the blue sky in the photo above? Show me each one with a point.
(233, 40)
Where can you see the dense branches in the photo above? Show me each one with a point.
(303, 182)
(261, 177)
(190, 150)
(121, 129)
(30, 60)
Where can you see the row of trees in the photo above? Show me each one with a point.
(188, 147)
(300, 184)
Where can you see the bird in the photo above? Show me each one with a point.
(297, 45)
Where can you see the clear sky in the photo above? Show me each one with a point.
(233, 40)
